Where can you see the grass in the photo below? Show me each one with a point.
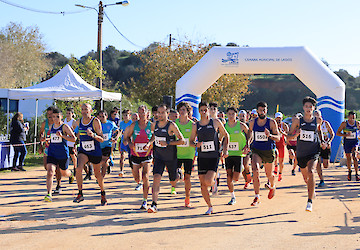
(30, 162)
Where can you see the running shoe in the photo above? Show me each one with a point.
(87, 177)
(267, 185)
(209, 211)
(248, 178)
(262, 166)
(246, 186)
(48, 198)
(21, 168)
(349, 176)
(321, 184)
(15, 169)
(103, 200)
(308, 207)
(187, 203)
(232, 201)
(152, 209)
(57, 190)
(276, 170)
(173, 191)
(357, 178)
(121, 174)
(271, 193)
(108, 169)
(280, 177)
(79, 198)
(144, 205)
(138, 186)
(255, 202)
(111, 162)
(293, 172)
(71, 179)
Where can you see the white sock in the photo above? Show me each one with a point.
(232, 195)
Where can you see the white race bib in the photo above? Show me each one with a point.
(54, 138)
(88, 145)
(233, 146)
(139, 147)
(307, 135)
(208, 146)
(106, 137)
(158, 140)
(187, 143)
(260, 136)
(351, 136)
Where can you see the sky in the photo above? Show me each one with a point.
(329, 28)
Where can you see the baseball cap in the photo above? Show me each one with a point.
(254, 112)
(278, 114)
(243, 112)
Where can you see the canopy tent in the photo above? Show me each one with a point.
(65, 85)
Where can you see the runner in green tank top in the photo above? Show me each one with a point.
(238, 148)
(185, 153)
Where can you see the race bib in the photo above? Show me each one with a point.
(139, 147)
(88, 145)
(307, 135)
(54, 138)
(233, 146)
(187, 143)
(260, 136)
(352, 135)
(208, 146)
(158, 140)
(106, 137)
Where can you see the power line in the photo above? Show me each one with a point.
(42, 11)
(120, 32)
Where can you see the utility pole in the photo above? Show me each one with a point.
(99, 45)
(170, 41)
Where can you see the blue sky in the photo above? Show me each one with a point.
(328, 27)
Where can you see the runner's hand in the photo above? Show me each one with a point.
(246, 149)
(147, 145)
(163, 143)
(58, 133)
(267, 132)
(198, 145)
(225, 153)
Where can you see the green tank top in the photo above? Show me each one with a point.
(137, 130)
(237, 140)
(46, 127)
(185, 151)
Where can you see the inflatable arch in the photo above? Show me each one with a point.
(328, 88)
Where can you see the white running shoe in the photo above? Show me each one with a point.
(152, 209)
(308, 207)
(210, 211)
(138, 186)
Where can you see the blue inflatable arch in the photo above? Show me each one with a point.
(328, 88)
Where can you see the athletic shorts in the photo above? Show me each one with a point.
(159, 167)
(325, 153)
(281, 150)
(61, 163)
(349, 146)
(188, 165)
(291, 147)
(71, 150)
(124, 148)
(93, 159)
(235, 163)
(207, 164)
(267, 156)
(303, 161)
(136, 160)
(106, 151)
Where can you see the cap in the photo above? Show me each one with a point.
(243, 112)
(278, 114)
(254, 112)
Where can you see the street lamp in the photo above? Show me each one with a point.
(100, 21)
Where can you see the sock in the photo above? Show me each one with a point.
(232, 195)
(154, 204)
(310, 200)
(257, 196)
(144, 199)
(80, 192)
(102, 192)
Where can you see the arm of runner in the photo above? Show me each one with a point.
(41, 133)
(98, 135)
(341, 128)
(193, 137)
(250, 132)
(128, 134)
(294, 127)
(152, 139)
(245, 129)
(275, 136)
(223, 134)
(67, 134)
(175, 130)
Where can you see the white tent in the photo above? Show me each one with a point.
(65, 85)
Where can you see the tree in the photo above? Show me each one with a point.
(163, 66)
(22, 54)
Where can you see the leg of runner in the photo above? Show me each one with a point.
(82, 160)
(207, 180)
(230, 184)
(100, 180)
(319, 171)
(136, 174)
(311, 165)
(281, 165)
(49, 180)
(348, 163)
(58, 181)
(271, 178)
(294, 160)
(276, 161)
(122, 162)
(255, 164)
(246, 172)
(155, 193)
(146, 185)
(356, 165)
(187, 180)
(104, 164)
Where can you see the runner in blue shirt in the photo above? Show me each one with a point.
(123, 125)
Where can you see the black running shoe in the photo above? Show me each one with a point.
(57, 190)
(103, 200)
(79, 198)
(108, 169)
(349, 176)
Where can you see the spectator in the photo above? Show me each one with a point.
(17, 139)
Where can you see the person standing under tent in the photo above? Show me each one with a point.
(309, 138)
(185, 153)
(238, 149)
(58, 151)
(137, 136)
(325, 147)
(126, 122)
(208, 131)
(90, 136)
(349, 130)
(17, 140)
(111, 134)
(265, 134)
(70, 121)
(164, 135)
(283, 129)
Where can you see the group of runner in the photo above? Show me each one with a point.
(242, 141)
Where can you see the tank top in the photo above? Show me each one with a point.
(207, 134)
(237, 139)
(140, 138)
(58, 147)
(47, 132)
(88, 145)
(261, 141)
(70, 123)
(308, 142)
(353, 132)
(165, 153)
(325, 131)
(185, 151)
(281, 143)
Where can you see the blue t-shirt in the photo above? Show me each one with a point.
(123, 126)
(108, 129)
(116, 121)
